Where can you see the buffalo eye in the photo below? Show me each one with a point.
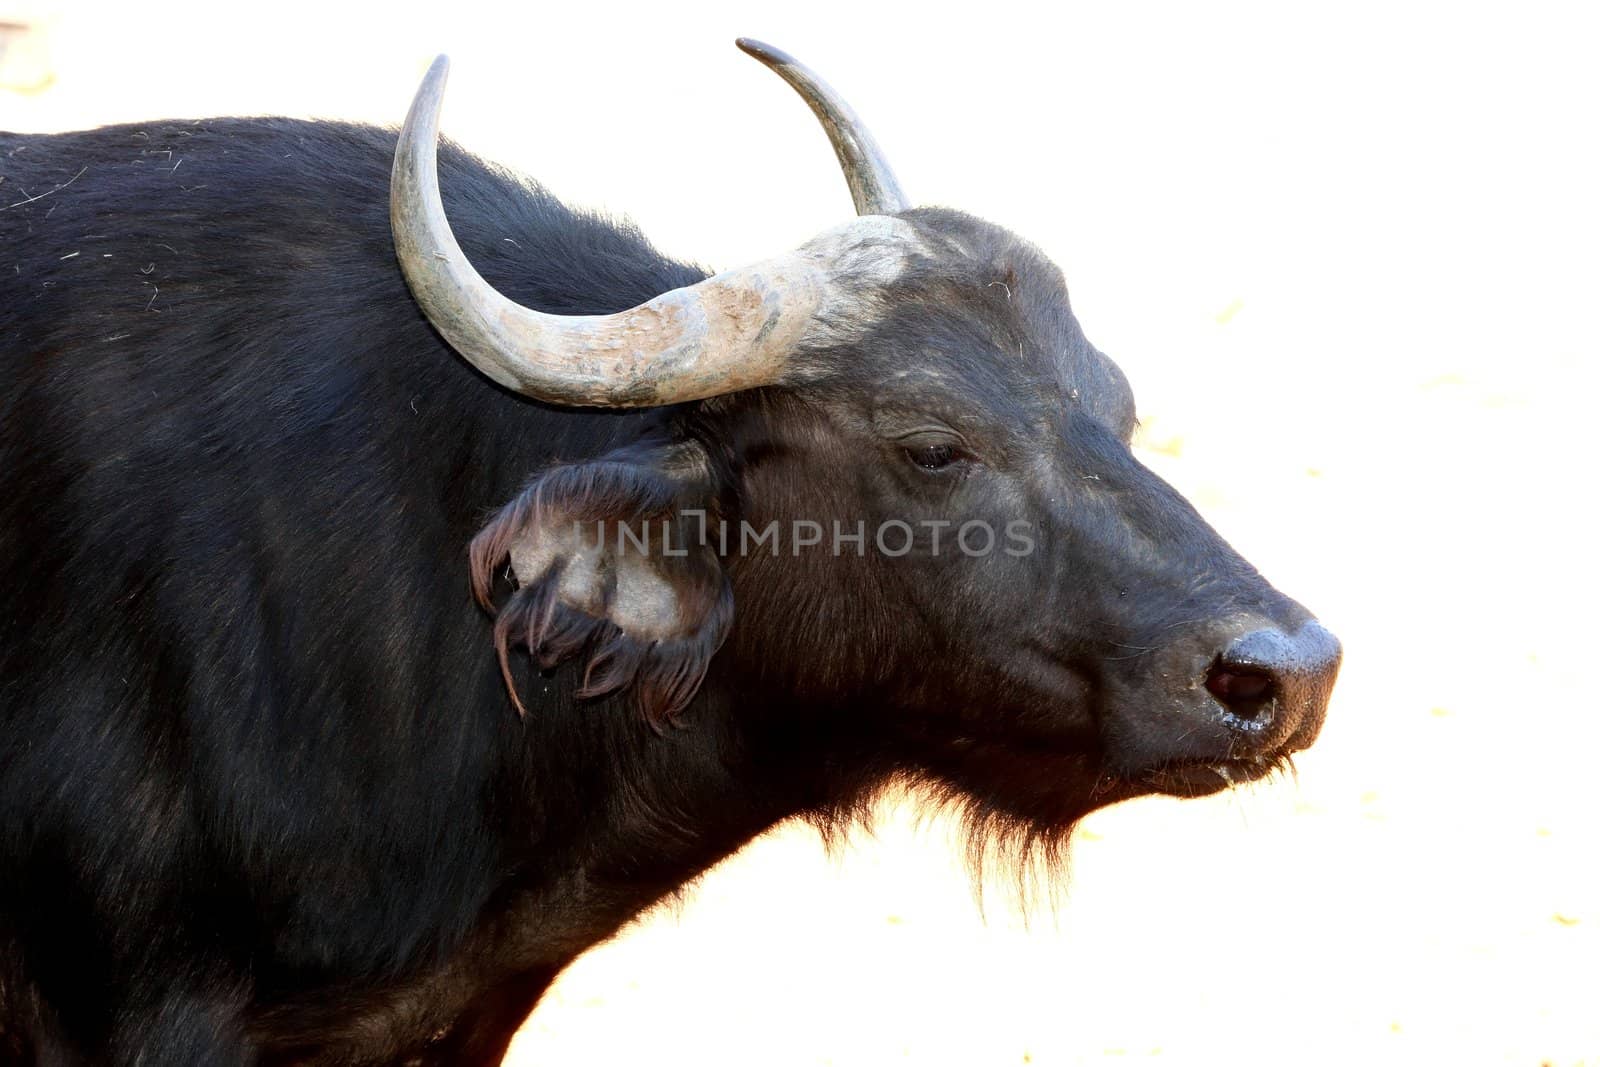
(934, 457)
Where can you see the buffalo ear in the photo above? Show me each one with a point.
(611, 559)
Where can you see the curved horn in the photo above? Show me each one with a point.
(872, 184)
(734, 331)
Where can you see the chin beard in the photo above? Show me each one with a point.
(1015, 811)
(1014, 836)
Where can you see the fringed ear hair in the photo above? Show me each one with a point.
(611, 559)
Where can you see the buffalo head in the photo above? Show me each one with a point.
(892, 495)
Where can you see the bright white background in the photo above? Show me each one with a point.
(1348, 256)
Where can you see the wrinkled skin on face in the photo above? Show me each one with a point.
(1043, 682)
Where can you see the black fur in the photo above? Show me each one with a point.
(263, 794)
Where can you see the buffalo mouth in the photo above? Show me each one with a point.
(1200, 777)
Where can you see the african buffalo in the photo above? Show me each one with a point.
(376, 634)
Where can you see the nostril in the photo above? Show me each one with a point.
(1273, 685)
(1246, 692)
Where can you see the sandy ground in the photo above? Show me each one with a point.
(1348, 260)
